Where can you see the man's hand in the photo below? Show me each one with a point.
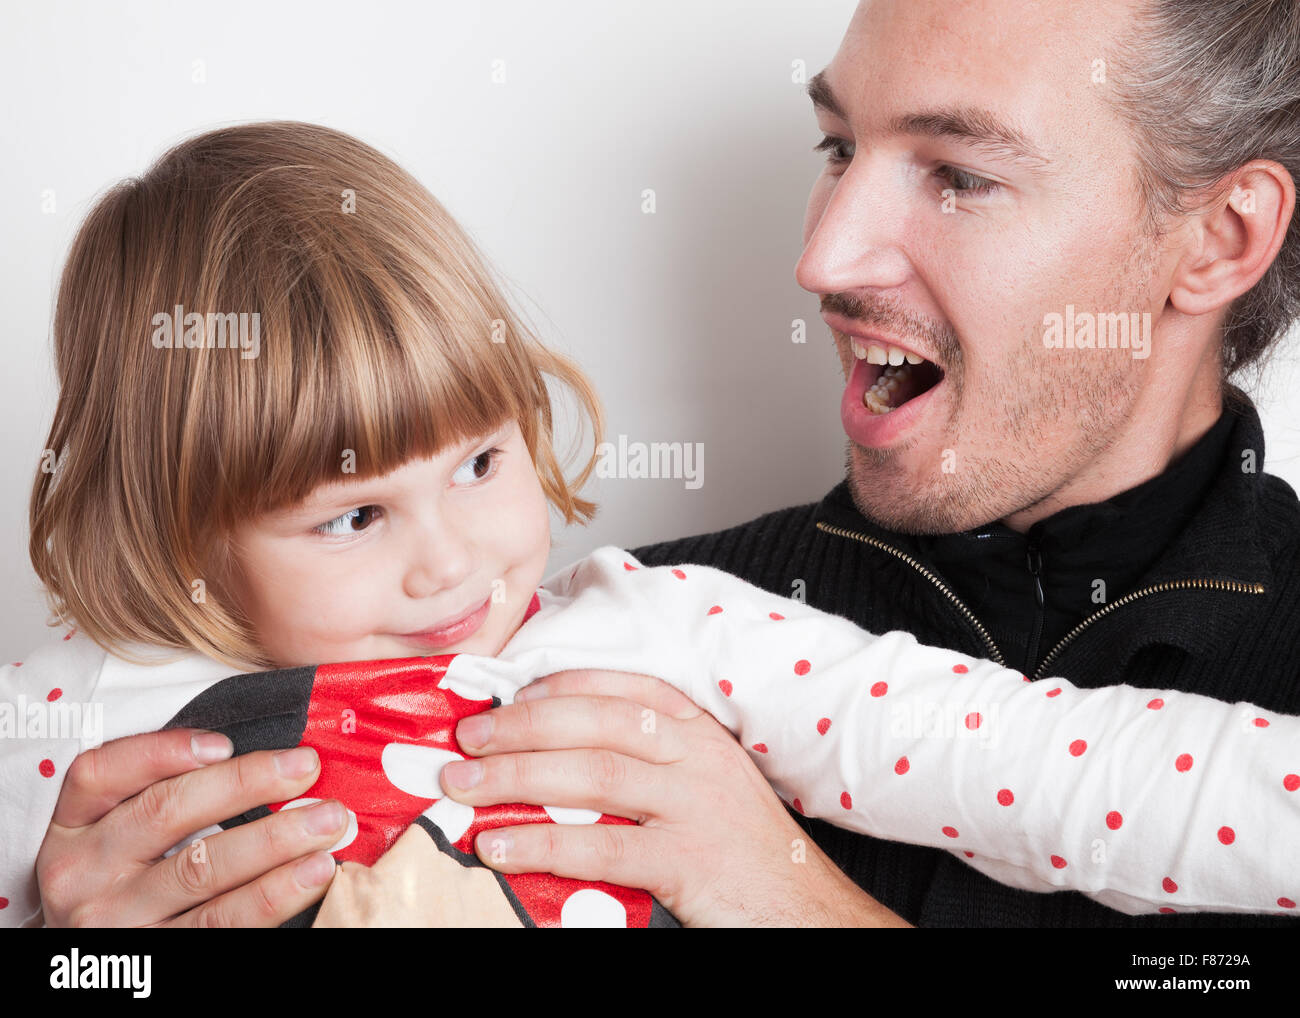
(714, 843)
(125, 803)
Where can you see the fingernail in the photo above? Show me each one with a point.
(474, 731)
(296, 763)
(315, 870)
(533, 692)
(325, 818)
(464, 773)
(209, 747)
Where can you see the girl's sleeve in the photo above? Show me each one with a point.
(1144, 800)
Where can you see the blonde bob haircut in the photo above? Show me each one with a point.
(381, 335)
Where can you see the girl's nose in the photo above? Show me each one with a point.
(439, 559)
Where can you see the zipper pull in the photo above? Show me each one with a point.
(1034, 560)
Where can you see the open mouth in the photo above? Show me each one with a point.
(894, 376)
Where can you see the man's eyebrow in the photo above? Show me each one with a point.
(963, 123)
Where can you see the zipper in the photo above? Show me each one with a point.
(975, 623)
(1231, 586)
(1034, 560)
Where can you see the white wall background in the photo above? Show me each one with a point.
(682, 318)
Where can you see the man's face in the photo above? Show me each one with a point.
(927, 231)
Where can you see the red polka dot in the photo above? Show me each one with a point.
(880, 689)
(1227, 835)
(802, 667)
(1078, 747)
(18, 664)
(950, 832)
(46, 768)
(798, 806)
(1166, 910)
(960, 669)
(679, 574)
(1058, 862)
(1155, 704)
(902, 766)
(1026, 678)
(969, 855)
(629, 567)
(725, 686)
(1184, 762)
(1261, 722)
(1285, 903)
(716, 610)
(1169, 885)
(760, 747)
(4, 902)
(846, 800)
(974, 720)
(1005, 798)
(1054, 692)
(1291, 782)
(69, 636)
(775, 616)
(1114, 820)
(54, 694)
(823, 726)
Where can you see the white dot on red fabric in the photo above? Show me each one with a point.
(846, 800)
(1285, 903)
(880, 689)
(1078, 747)
(416, 769)
(592, 909)
(715, 610)
(1227, 835)
(1054, 692)
(1184, 762)
(950, 832)
(1114, 820)
(775, 616)
(679, 574)
(572, 815)
(1291, 782)
(1058, 862)
(823, 726)
(54, 694)
(46, 768)
(451, 817)
(802, 667)
(1261, 722)
(760, 747)
(1155, 704)
(725, 686)
(960, 669)
(349, 833)
(1005, 798)
(1169, 885)
(902, 766)
(973, 720)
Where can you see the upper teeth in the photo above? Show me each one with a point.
(874, 353)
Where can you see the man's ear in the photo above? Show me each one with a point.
(1240, 232)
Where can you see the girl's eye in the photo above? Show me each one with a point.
(838, 150)
(966, 183)
(477, 467)
(350, 522)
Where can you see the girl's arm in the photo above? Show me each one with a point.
(1144, 800)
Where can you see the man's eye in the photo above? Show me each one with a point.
(477, 467)
(838, 150)
(966, 183)
(350, 522)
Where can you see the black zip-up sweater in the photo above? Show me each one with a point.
(1216, 612)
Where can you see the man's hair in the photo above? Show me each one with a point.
(1208, 86)
(384, 336)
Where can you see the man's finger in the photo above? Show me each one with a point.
(218, 863)
(573, 722)
(270, 900)
(643, 689)
(615, 853)
(101, 778)
(594, 779)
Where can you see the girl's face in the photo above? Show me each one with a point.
(388, 567)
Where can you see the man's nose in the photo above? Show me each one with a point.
(440, 558)
(857, 241)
